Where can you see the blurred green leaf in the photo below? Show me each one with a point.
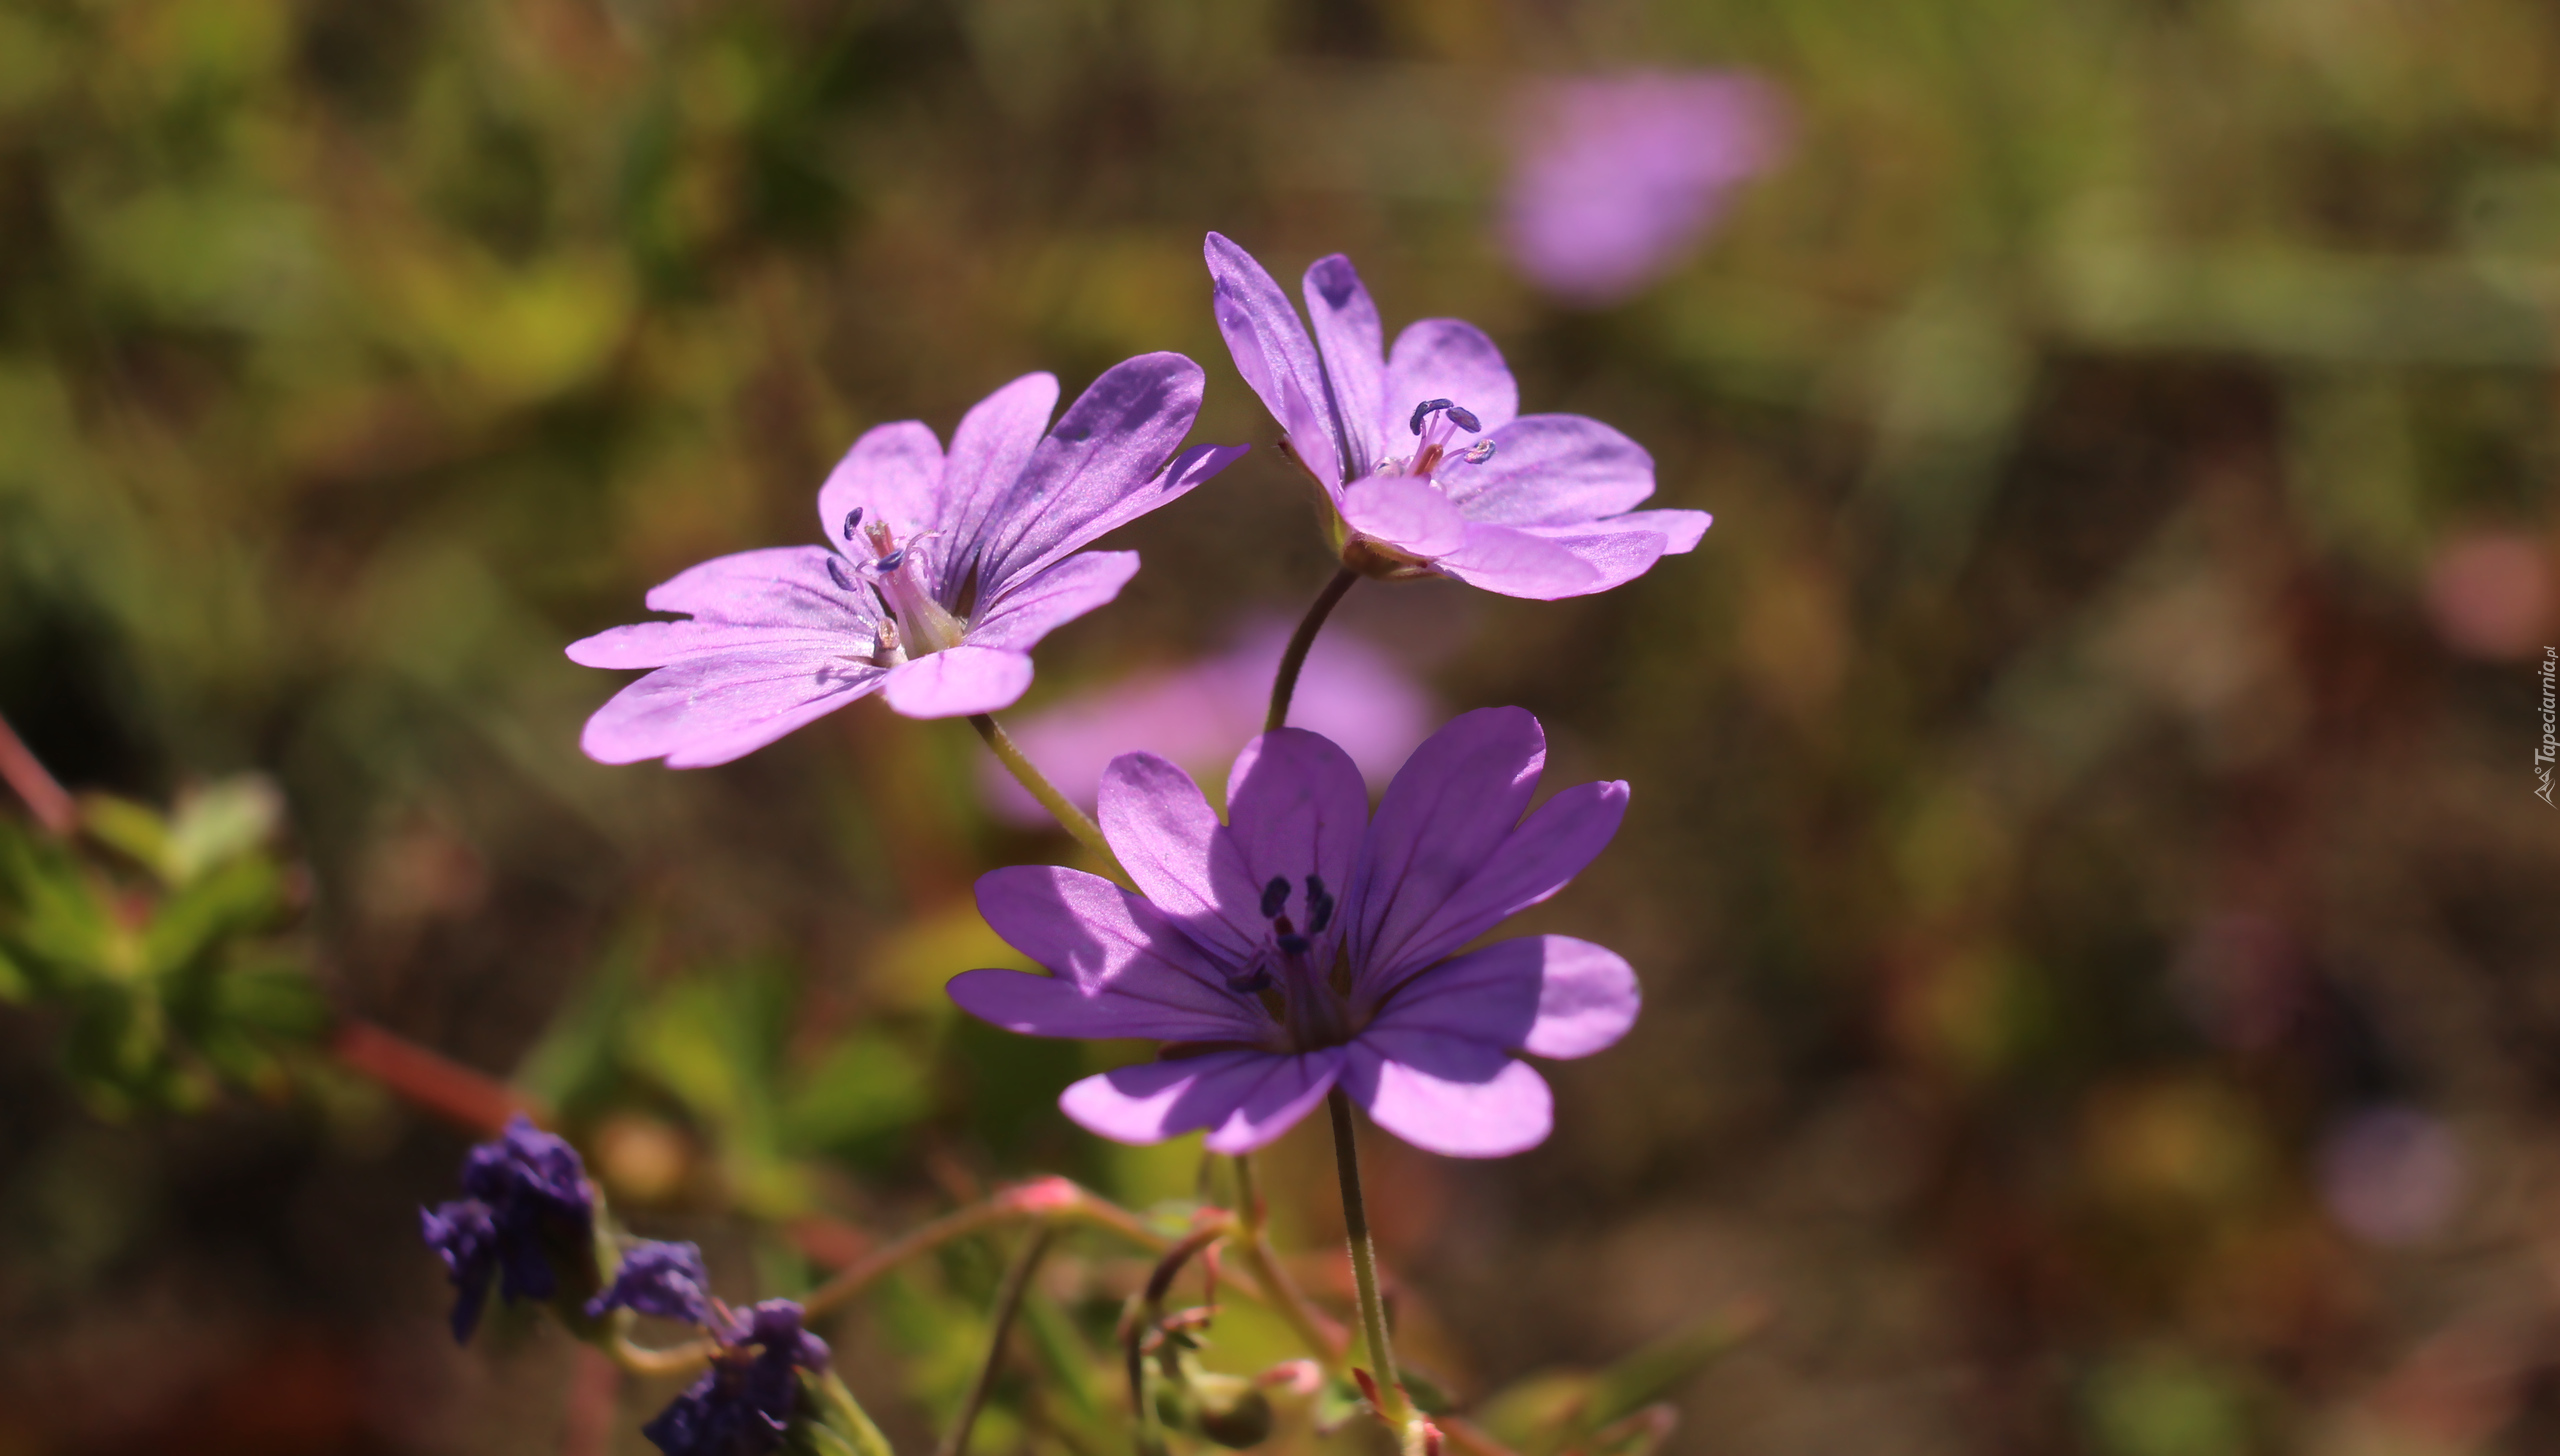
(1552, 1411)
(135, 830)
(575, 1056)
(241, 896)
(219, 823)
(865, 1084)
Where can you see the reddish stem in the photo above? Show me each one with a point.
(429, 1080)
(46, 798)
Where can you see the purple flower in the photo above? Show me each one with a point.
(1616, 178)
(939, 574)
(1351, 692)
(1423, 452)
(526, 1213)
(1303, 944)
(665, 1280)
(743, 1403)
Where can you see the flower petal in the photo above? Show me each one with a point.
(1104, 463)
(1161, 1007)
(1551, 995)
(1622, 548)
(958, 681)
(1270, 346)
(721, 706)
(1169, 839)
(1296, 806)
(1405, 512)
(1247, 1097)
(1447, 359)
(1100, 937)
(994, 442)
(778, 586)
(1551, 470)
(1530, 864)
(1353, 350)
(1448, 811)
(1040, 603)
(894, 473)
(1518, 563)
(1448, 1094)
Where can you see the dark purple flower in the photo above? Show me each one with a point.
(1303, 944)
(743, 1403)
(1199, 715)
(1616, 178)
(939, 574)
(1429, 465)
(526, 1212)
(665, 1280)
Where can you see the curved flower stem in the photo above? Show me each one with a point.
(1285, 685)
(1312, 1329)
(639, 1359)
(1017, 1279)
(1393, 1406)
(46, 798)
(1069, 817)
(1053, 1200)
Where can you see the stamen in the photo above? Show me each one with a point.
(1275, 896)
(1465, 417)
(1295, 945)
(1424, 410)
(1319, 906)
(836, 573)
(1479, 452)
(886, 639)
(852, 518)
(892, 561)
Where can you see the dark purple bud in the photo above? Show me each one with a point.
(665, 1280)
(1275, 895)
(463, 1233)
(852, 518)
(836, 573)
(743, 1403)
(529, 1215)
(1423, 412)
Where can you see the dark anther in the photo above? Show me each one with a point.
(1466, 419)
(1319, 914)
(1423, 411)
(892, 561)
(835, 570)
(852, 518)
(1295, 945)
(1275, 895)
(1254, 984)
(1315, 887)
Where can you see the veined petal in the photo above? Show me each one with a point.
(1040, 603)
(958, 681)
(1352, 348)
(1169, 839)
(1529, 865)
(1262, 331)
(1405, 512)
(1448, 1094)
(1448, 811)
(894, 473)
(1296, 806)
(1158, 1007)
(1622, 548)
(1102, 464)
(660, 644)
(1520, 563)
(712, 709)
(1099, 936)
(777, 586)
(1447, 359)
(1247, 1098)
(1551, 995)
(994, 442)
(1551, 470)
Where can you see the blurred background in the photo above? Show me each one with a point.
(2099, 932)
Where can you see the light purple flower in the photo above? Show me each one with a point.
(1303, 944)
(1615, 179)
(1430, 466)
(939, 574)
(1199, 715)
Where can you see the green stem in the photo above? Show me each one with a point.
(1069, 817)
(1282, 1294)
(1364, 1265)
(1285, 686)
(1008, 1303)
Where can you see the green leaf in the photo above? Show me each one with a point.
(576, 1054)
(865, 1084)
(244, 895)
(842, 1418)
(135, 830)
(219, 823)
(59, 927)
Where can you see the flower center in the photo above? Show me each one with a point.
(916, 623)
(1302, 999)
(1435, 426)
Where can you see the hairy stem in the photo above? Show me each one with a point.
(1045, 1199)
(1285, 685)
(46, 798)
(1364, 1265)
(1069, 817)
(1008, 1304)
(1322, 1339)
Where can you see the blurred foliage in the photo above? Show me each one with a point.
(2082, 774)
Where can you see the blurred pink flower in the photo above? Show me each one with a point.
(1199, 716)
(2390, 1174)
(1615, 179)
(2489, 594)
